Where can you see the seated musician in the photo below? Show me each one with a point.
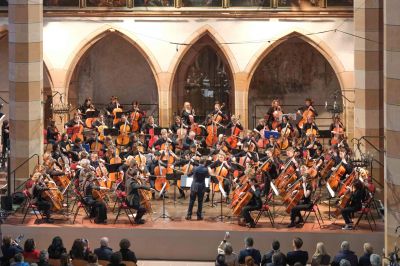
(226, 186)
(150, 165)
(309, 126)
(52, 133)
(222, 145)
(272, 144)
(342, 160)
(44, 206)
(99, 122)
(112, 105)
(163, 140)
(248, 138)
(133, 184)
(181, 162)
(146, 128)
(98, 208)
(177, 125)
(246, 155)
(312, 144)
(76, 120)
(65, 144)
(121, 122)
(304, 204)
(234, 122)
(308, 105)
(135, 107)
(189, 140)
(254, 204)
(290, 153)
(88, 104)
(53, 168)
(261, 125)
(272, 173)
(187, 115)
(354, 204)
(286, 124)
(336, 129)
(76, 149)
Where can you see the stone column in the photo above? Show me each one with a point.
(368, 65)
(26, 81)
(392, 122)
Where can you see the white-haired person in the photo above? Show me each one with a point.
(104, 252)
(346, 254)
(365, 258)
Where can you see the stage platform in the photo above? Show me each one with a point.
(178, 239)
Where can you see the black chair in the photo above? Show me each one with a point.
(366, 212)
(315, 210)
(266, 211)
(30, 205)
(80, 204)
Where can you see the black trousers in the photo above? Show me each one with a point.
(346, 213)
(246, 213)
(44, 207)
(193, 196)
(98, 209)
(140, 211)
(296, 211)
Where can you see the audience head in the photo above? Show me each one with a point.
(44, 255)
(29, 245)
(276, 245)
(116, 258)
(249, 242)
(220, 260)
(78, 249)
(277, 258)
(375, 260)
(298, 264)
(344, 262)
(345, 246)
(19, 257)
(104, 241)
(228, 249)
(249, 261)
(65, 259)
(92, 258)
(320, 249)
(124, 244)
(7, 241)
(57, 242)
(297, 243)
(368, 248)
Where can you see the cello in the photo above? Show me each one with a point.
(161, 177)
(221, 172)
(234, 138)
(212, 129)
(135, 118)
(116, 110)
(53, 194)
(113, 177)
(334, 180)
(77, 130)
(305, 115)
(123, 138)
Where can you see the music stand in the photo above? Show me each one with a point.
(174, 177)
(221, 215)
(119, 114)
(162, 194)
(92, 114)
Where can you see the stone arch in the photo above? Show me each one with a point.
(97, 35)
(344, 77)
(182, 56)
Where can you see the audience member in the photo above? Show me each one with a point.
(345, 253)
(220, 260)
(126, 253)
(65, 259)
(297, 255)
(249, 251)
(43, 258)
(375, 259)
(365, 258)
(78, 250)
(92, 260)
(344, 262)
(56, 248)
(103, 252)
(320, 257)
(9, 250)
(267, 258)
(116, 259)
(231, 259)
(249, 261)
(30, 251)
(278, 259)
(19, 260)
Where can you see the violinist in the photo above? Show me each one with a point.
(305, 202)
(358, 194)
(98, 208)
(254, 204)
(52, 133)
(44, 206)
(187, 115)
(133, 185)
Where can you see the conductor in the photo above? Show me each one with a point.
(197, 189)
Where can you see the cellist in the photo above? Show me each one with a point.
(271, 173)
(98, 208)
(310, 127)
(187, 115)
(218, 111)
(308, 106)
(354, 204)
(337, 130)
(303, 204)
(44, 206)
(269, 117)
(88, 104)
(254, 204)
(137, 115)
(226, 184)
(161, 142)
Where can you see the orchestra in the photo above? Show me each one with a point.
(122, 150)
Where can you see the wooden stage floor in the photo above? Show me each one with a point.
(179, 239)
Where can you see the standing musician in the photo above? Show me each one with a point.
(44, 206)
(137, 114)
(304, 204)
(218, 111)
(198, 188)
(269, 118)
(88, 104)
(254, 204)
(91, 192)
(308, 105)
(358, 194)
(133, 185)
(187, 115)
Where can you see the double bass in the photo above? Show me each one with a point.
(305, 115)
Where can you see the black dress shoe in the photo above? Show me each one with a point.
(188, 217)
(200, 218)
(207, 199)
(292, 224)
(139, 221)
